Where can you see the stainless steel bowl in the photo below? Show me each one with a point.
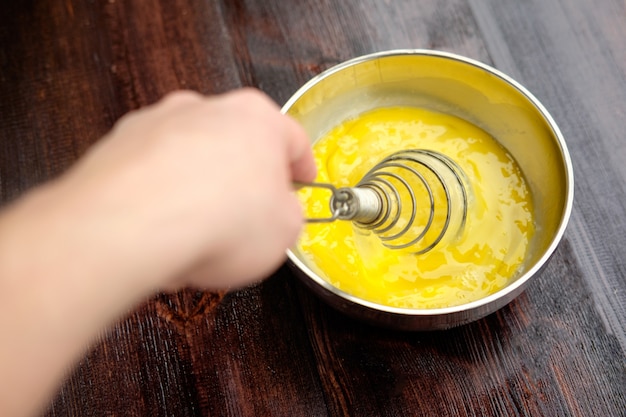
(467, 89)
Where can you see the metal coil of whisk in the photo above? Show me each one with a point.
(412, 199)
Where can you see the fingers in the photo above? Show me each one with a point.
(254, 258)
(299, 152)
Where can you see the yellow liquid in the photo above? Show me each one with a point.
(482, 259)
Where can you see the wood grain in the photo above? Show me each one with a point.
(69, 69)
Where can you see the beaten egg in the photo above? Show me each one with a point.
(481, 259)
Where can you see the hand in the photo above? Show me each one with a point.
(189, 191)
(194, 190)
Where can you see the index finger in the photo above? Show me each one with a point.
(300, 154)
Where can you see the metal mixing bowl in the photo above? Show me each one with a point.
(467, 89)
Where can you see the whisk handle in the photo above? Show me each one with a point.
(362, 205)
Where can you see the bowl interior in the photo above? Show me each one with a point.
(464, 88)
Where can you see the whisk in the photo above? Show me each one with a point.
(411, 200)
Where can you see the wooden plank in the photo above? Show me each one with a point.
(579, 71)
(544, 361)
(544, 354)
(70, 69)
(183, 355)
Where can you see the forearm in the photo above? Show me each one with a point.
(58, 289)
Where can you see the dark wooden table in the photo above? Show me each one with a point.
(69, 69)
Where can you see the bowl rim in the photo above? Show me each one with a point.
(520, 281)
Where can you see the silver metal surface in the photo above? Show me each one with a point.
(386, 200)
(360, 205)
(473, 91)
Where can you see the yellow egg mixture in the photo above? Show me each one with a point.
(481, 260)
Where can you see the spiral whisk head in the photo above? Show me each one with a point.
(412, 199)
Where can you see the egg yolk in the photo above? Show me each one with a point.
(481, 259)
